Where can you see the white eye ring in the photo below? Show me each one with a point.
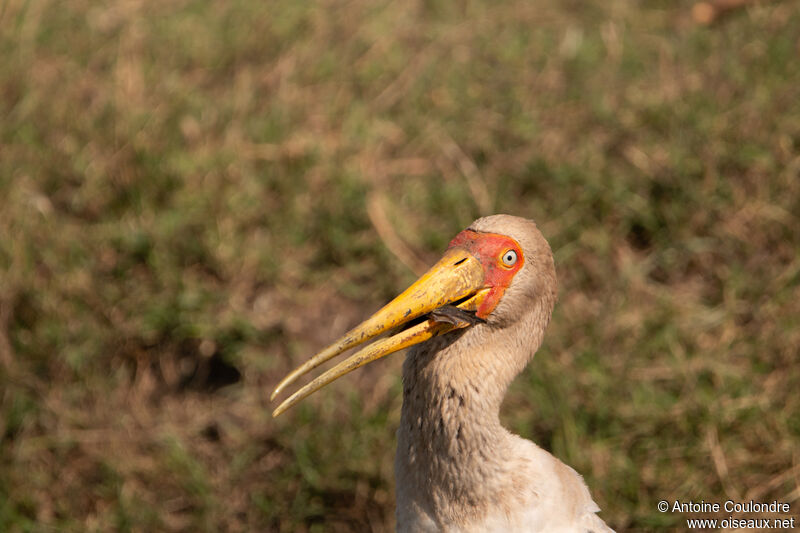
(510, 258)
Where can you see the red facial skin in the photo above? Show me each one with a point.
(489, 248)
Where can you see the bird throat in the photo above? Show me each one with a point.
(452, 454)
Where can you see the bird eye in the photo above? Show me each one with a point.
(510, 258)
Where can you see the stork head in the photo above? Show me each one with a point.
(531, 286)
(491, 275)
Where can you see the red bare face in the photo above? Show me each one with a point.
(501, 257)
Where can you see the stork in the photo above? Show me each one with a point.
(474, 321)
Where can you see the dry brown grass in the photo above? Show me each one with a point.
(197, 196)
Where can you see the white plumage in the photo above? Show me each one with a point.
(457, 469)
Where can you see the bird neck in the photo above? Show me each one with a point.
(453, 455)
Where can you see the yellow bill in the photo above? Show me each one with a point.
(457, 277)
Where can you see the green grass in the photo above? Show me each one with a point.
(195, 196)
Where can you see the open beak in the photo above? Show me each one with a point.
(457, 277)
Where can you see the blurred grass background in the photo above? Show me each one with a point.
(195, 196)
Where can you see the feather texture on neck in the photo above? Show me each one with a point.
(454, 459)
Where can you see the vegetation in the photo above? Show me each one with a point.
(196, 196)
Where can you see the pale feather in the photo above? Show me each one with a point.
(457, 468)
